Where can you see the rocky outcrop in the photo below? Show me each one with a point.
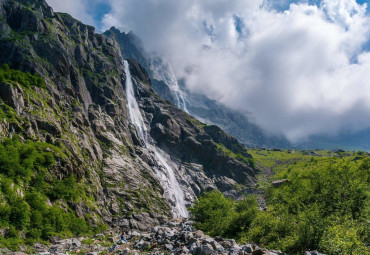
(83, 112)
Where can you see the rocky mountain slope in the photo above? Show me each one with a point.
(82, 113)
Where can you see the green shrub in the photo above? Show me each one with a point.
(64, 189)
(20, 214)
(25, 187)
(325, 207)
(213, 212)
(343, 239)
(11, 232)
(24, 79)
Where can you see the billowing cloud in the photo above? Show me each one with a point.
(299, 70)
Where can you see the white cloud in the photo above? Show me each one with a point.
(299, 72)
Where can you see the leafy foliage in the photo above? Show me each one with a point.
(324, 206)
(26, 186)
(25, 79)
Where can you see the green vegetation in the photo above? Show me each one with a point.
(196, 122)
(237, 156)
(325, 205)
(27, 189)
(24, 79)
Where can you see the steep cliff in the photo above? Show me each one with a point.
(82, 118)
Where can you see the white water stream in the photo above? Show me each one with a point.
(164, 173)
(162, 70)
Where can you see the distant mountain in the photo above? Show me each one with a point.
(352, 141)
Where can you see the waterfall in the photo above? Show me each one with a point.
(162, 70)
(164, 172)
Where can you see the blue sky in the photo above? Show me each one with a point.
(99, 10)
(284, 5)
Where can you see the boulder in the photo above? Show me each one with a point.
(278, 183)
(12, 96)
(315, 252)
(205, 249)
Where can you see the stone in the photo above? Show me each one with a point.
(234, 250)
(216, 246)
(205, 249)
(277, 252)
(199, 233)
(313, 253)
(12, 96)
(168, 247)
(258, 251)
(194, 247)
(247, 248)
(278, 183)
(225, 244)
(207, 240)
(173, 224)
(192, 240)
(155, 229)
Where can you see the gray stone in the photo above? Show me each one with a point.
(234, 251)
(258, 251)
(313, 253)
(168, 247)
(247, 248)
(205, 249)
(278, 183)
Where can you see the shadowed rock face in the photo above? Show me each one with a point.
(84, 112)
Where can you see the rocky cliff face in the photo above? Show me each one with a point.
(84, 112)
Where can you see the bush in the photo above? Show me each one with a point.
(20, 214)
(64, 189)
(213, 213)
(343, 239)
(11, 232)
(24, 79)
(325, 208)
(24, 169)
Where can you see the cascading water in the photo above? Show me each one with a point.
(162, 70)
(164, 173)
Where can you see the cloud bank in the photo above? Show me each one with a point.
(298, 71)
